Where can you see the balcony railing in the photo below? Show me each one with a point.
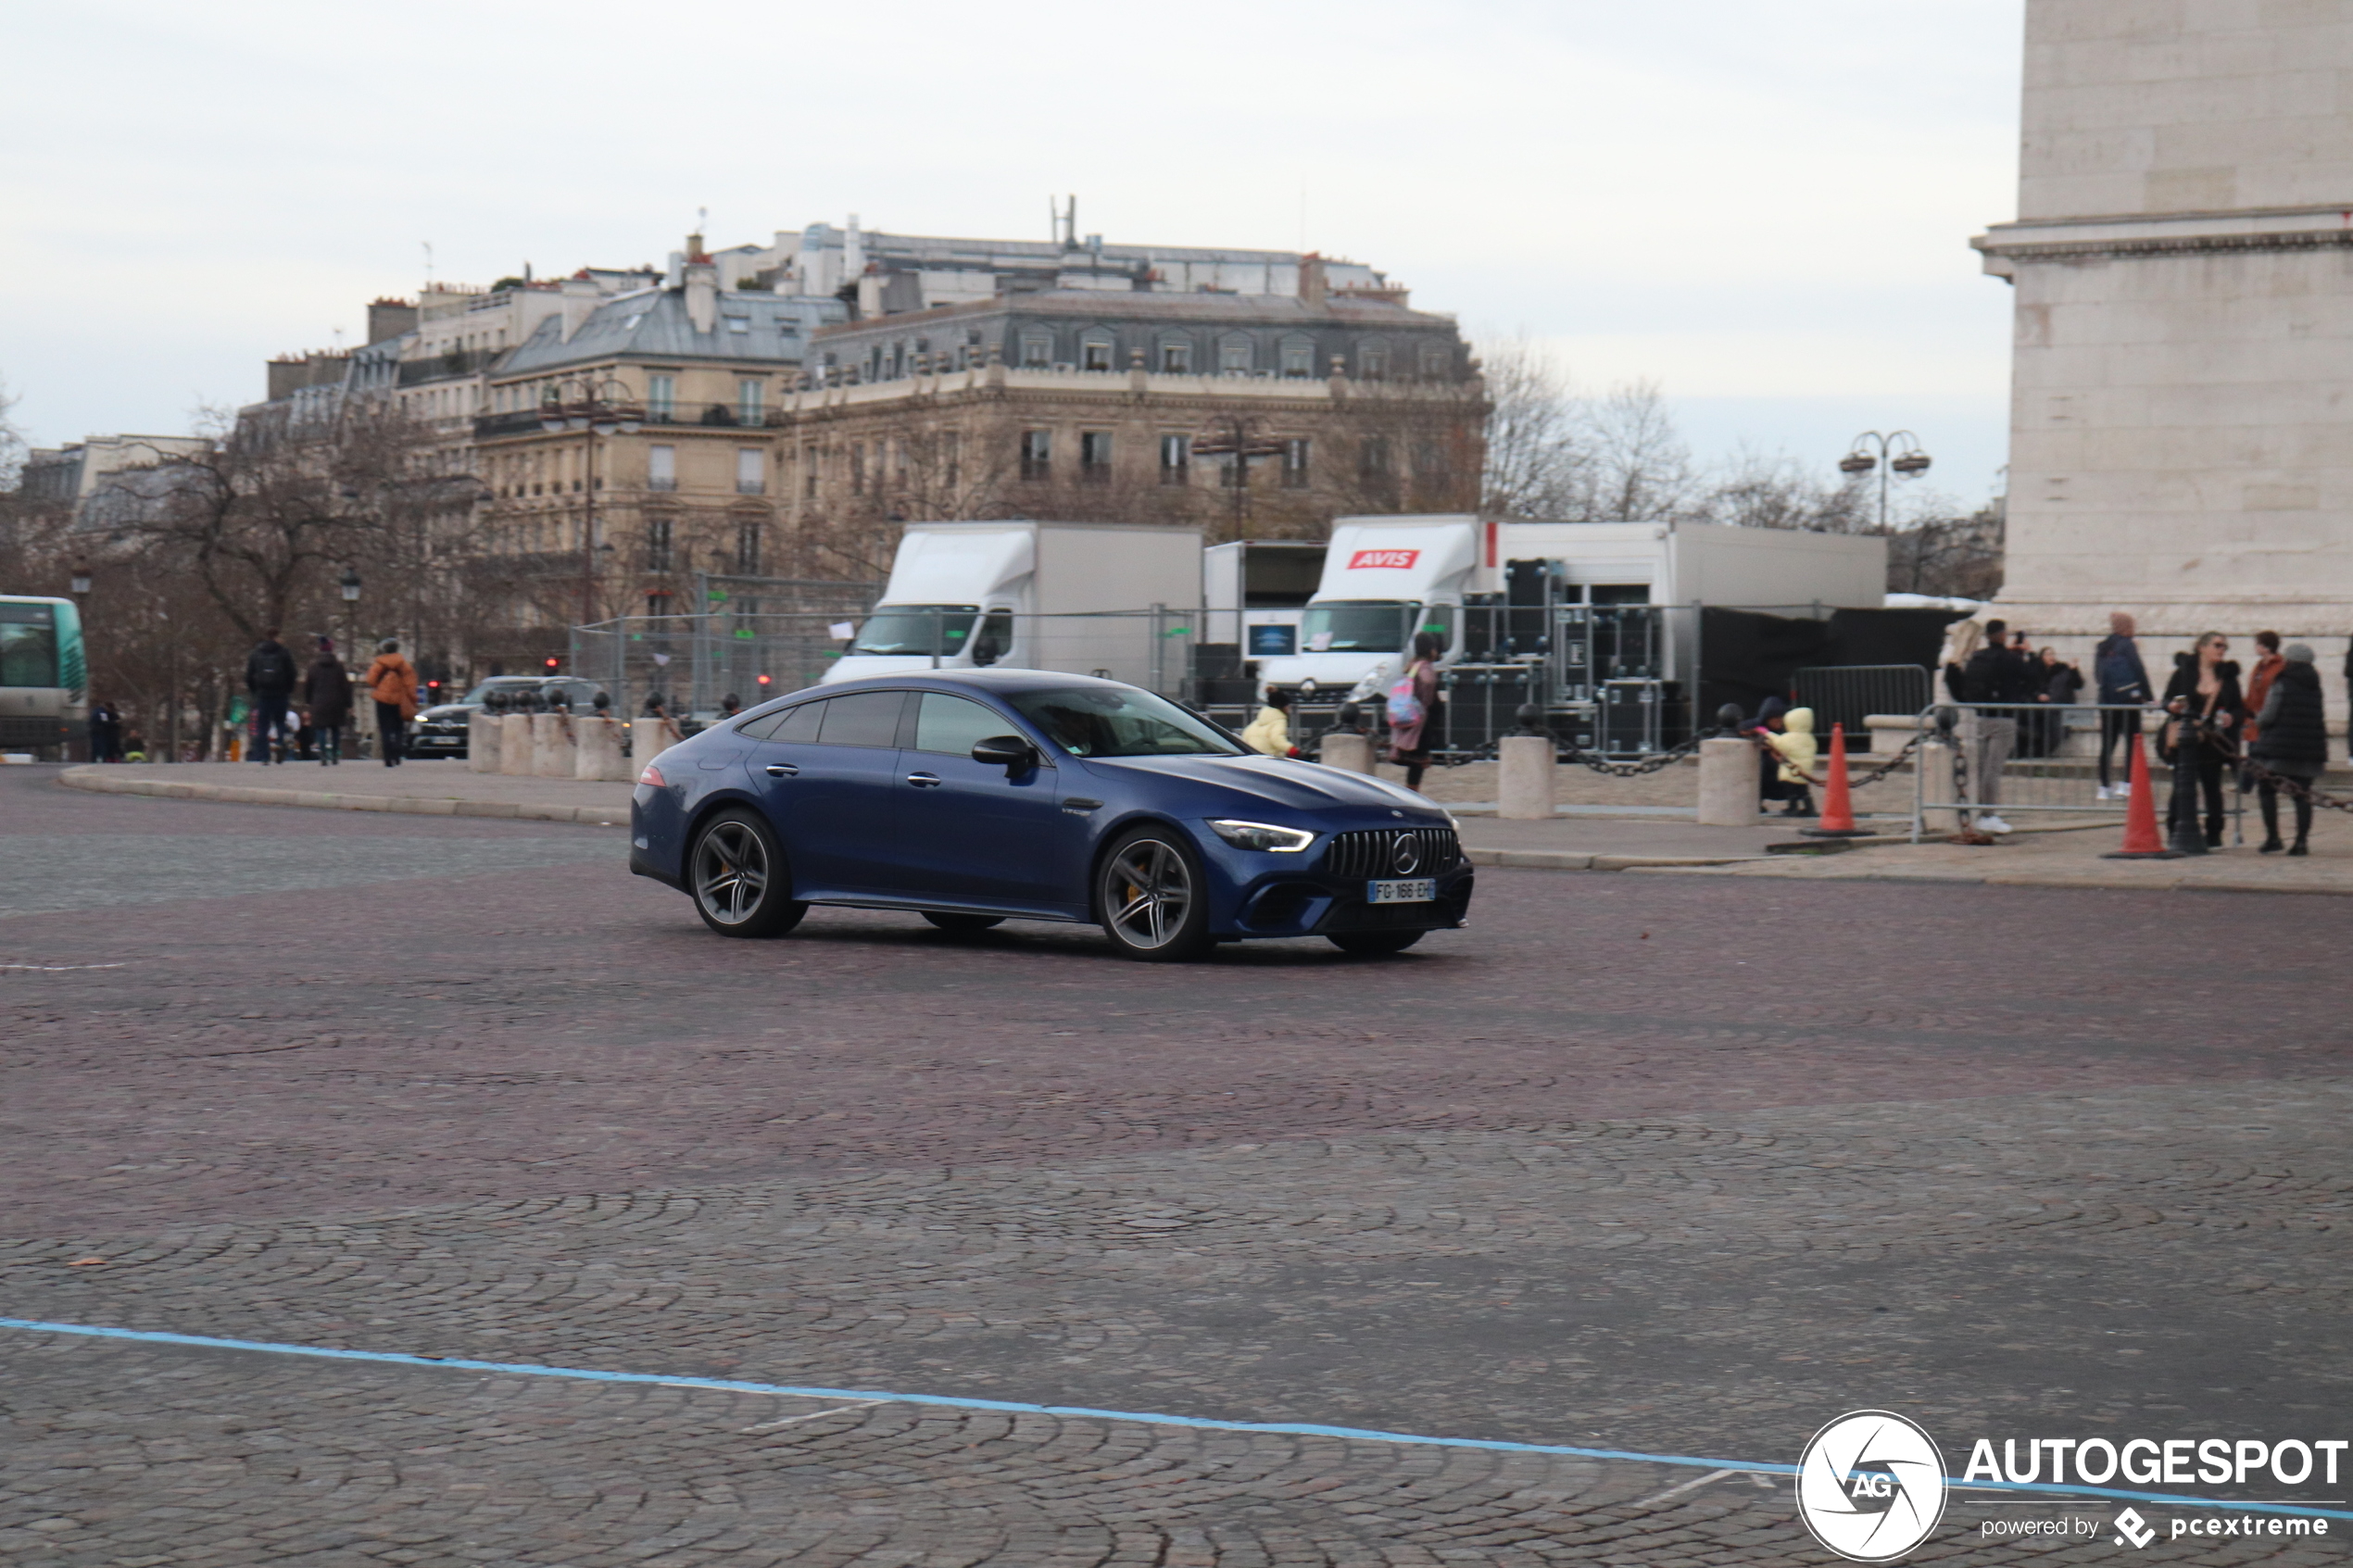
(671, 416)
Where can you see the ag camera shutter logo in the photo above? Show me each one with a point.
(1871, 1485)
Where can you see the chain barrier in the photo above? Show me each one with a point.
(2227, 745)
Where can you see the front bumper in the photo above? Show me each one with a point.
(1330, 895)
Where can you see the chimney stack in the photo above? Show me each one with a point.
(1312, 284)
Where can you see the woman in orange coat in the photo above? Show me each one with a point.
(392, 681)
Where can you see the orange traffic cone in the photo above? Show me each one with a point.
(2141, 841)
(1838, 805)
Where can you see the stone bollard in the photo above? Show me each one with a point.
(648, 738)
(1350, 753)
(600, 757)
(1939, 776)
(554, 754)
(1525, 778)
(482, 733)
(514, 745)
(1730, 771)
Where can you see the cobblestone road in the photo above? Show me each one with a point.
(1662, 1165)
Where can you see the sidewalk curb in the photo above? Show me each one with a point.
(2079, 882)
(107, 781)
(1564, 860)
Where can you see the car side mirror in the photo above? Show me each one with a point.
(1009, 752)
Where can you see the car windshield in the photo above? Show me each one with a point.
(1115, 721)
(1354, 626)
(923, 630)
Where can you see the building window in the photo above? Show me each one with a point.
(1037, 353)
(809, 473)
(1295, 463)
(1177, 359)
(739, 324)
(1175, 457)
(1094, 456)
(1430, 463)
(951, 456)
(749, 393)
(1298, 358)
(1433, 361)
(1372, 362)
(661, 396)
(1372, 456)
(661, 468)
(1037, 454)
(657, 604)
(1094, 355)
(751, 472)
(1234, 356)
(658, 544)
(857, 468)
(747, 546)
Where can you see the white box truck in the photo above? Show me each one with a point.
(1385, 578)
(1116, 600)
(1254, 591)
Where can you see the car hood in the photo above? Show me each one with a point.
(1301, 786)
(449, 711)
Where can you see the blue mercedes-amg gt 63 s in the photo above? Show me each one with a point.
(972, 796)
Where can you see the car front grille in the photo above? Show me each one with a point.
(1375, 853)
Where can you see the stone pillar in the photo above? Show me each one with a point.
(483, 731)
(1525, 778)
(600, 757)
(648, 738)
(514, 745)
(554, 754)
(1729, 771)
(1350, 753)
(1940, 778)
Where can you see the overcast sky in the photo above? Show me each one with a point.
(1765, 209)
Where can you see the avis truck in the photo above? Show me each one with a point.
(1092, 599)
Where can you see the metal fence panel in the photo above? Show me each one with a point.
(2037, 761)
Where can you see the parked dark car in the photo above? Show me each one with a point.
(974, 796)
(440, 731)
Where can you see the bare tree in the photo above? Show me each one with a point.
(1640, 470)
(1781, 492)
(1537, 460)
(12, 441)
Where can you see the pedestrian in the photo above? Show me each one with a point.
(1412, 703)
(2121, 683)
(106, 733)
(2268, 664)
(1961, 640)
(1996, 683)
(1770, 714)
(269, 676)
(328, 690)
(1793, 744)
(392, 681)
(730, 705)
(2292, 743)
(1269, 733)
(2062, 687)
(2208, 713)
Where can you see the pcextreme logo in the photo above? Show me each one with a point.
(1401, 560)
(1871, 1485)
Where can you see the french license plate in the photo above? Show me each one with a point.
(1414, 890)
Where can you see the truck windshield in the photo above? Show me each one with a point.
(923, 630)
(1113, 722)
(1355, 626)
(27, 645)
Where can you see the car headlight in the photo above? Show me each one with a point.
(1262, 836)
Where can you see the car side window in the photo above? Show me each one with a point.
(796, 724)
(953, 724)
(865, 719)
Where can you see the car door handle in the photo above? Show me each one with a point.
(783, 771)
(923, 781)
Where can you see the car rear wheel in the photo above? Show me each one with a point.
(1374, 943)
(740, 883)
(1150, 897)
(947, 921)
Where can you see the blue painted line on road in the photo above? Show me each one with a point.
(1017, 1407)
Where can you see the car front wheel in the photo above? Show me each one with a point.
(1150, 897)
(741, 881)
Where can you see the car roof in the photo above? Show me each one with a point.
(1005, 682)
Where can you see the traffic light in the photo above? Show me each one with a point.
(763, 680)
(552, 665)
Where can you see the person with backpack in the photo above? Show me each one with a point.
(392, 681)
(1413, 701)
(327, 688)
(2291, 742)
(269, 676)
(2123, 684)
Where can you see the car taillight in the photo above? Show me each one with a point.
(652, 775)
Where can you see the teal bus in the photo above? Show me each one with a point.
(44, 679)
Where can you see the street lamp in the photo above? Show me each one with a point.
(81, 579)
(594, 406)
(350, 585)
(1899, 453)
(1236, 437)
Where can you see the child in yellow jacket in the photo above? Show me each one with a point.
(1796, 746)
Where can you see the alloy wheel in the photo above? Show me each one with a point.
(731, 872)
(1148, 891)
